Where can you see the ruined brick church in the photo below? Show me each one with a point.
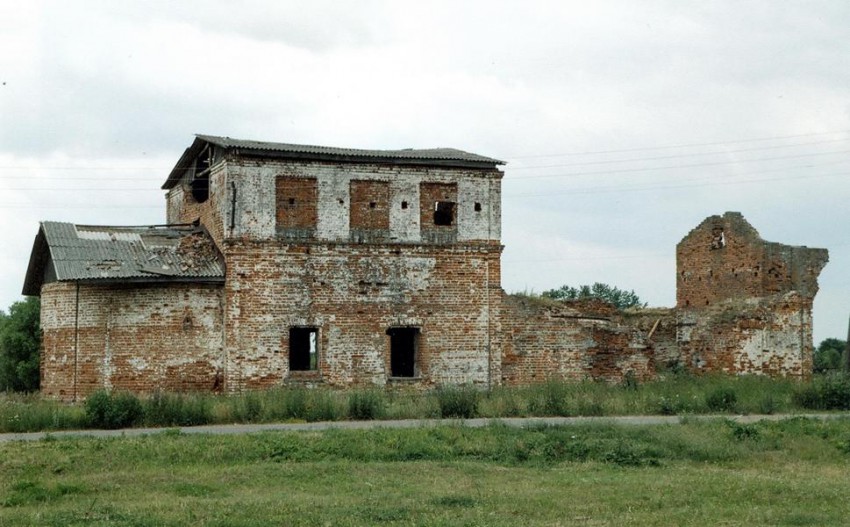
(288, 264)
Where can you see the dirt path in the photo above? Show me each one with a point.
(410, 423)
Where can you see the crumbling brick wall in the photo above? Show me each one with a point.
(182, 207)
(744, 304)
(137, 338)
(351, 251)
(546, 339)
(724, 257)
(353, 296)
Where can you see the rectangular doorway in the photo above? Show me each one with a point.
(403, 351)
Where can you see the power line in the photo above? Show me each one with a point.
(603, 190)
(807, 166)
(673, 167)
(684, 145)
(674, 156)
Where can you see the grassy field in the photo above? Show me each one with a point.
(793, 472)
(672, 395)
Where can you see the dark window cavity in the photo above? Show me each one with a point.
(403, 349)
(477, 207)
(200, 188)
(444, 212)
(303, 349)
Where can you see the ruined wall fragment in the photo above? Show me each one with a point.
(547, 339)
(745, 304)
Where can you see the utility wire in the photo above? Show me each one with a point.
(673, 156)
(668, 187)
(685, 145)
(673, 167)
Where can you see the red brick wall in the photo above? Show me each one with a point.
(370, 205)
(768, 336)
(546, 339)
(182, 207)
(296, 200)
(429, 194)
(742, 266)
(142, 338)
(353, 294)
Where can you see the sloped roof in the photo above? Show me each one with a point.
(69, 252)
(428, 156)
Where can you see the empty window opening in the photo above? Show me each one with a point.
(477, 207)
(200, 188)
(403, 349)
(404, 205)
(303, 349)
(372, 204)
(291, 201)
(444, 213)
(341, 201)
(718, 240)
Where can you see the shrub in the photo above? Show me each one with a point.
(550, 399)
(119, 410)
(630, 381)
(366, 405)
(722, 399)
(461, 402)
(831, 392)
(248, 408)
(295, 404)
(670, 405)
(322, 407)
(164, 409)
(768, 404)
(743, 431)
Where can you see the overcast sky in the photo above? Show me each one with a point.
(624, 123)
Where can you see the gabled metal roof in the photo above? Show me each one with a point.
(69, 252)
(430, 156)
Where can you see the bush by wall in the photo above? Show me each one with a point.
(113, 410)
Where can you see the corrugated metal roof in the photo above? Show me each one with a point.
(83, 252)
(429, 154)
(451, 157)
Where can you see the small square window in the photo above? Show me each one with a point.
(444, 213)
(303, 349)
(404, 205)
(477, 207)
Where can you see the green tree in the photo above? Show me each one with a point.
(620, 298)
(828, 355)
(20, 340)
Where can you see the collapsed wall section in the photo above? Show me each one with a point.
(546, 339)
(745, 304)
(725, 258)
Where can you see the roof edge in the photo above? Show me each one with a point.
(451, 157)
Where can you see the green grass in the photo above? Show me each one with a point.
(672, 395)
(699, 473)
